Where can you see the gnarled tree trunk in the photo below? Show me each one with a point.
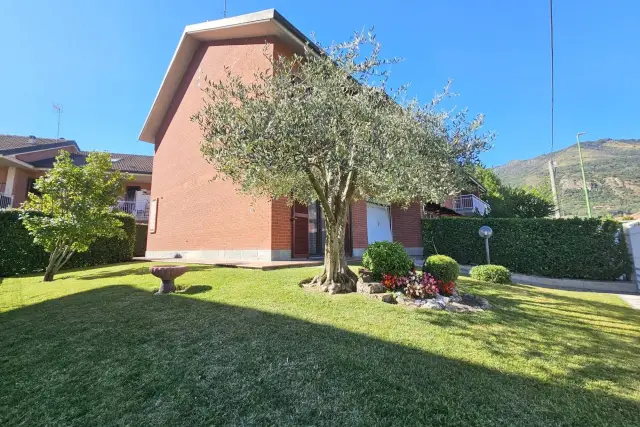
(336, 276)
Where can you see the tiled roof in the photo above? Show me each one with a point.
(14, 144)
(133, 163)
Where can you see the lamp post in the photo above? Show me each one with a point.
(584, 180)
(486, 232)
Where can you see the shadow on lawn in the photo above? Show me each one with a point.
(119, 355)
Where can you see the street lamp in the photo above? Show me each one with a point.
(486, 232)
(584, 180)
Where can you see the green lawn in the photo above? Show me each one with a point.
(242, 347)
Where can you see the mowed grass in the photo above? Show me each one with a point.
(242, 347)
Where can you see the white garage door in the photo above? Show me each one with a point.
(378, 223)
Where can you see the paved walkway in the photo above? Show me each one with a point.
(632, 300)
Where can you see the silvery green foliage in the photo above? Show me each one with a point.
(324, 125)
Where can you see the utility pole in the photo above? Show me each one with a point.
(556, 198)
(57, 108)
(584, 180)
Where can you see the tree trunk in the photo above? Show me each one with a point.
(57, 259)
(336, 276)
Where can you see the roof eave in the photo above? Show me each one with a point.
(213, 30)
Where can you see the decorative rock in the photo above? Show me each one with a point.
(369, 287)
(442, 299)
(455, 298)
(366, 275)
(386, 297)
(168, 273)
(461, 308)
(475, 301)
(433, 304)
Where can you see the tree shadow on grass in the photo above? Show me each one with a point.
(121, 356)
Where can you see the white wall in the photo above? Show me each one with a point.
(632, 236)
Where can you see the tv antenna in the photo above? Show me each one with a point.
(224, 12)
(57, 109)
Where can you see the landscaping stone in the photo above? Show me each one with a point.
(456, 307)
(369, 287)
(442, 299)
(433, 304)
(388, 298)
(475, 301)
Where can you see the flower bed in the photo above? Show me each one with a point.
(420, 290)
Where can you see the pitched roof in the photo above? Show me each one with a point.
(15, 144)
(133, 163)
(258, 24)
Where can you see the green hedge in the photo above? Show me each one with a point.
(571, 248)
(19, 255)
(141, 240)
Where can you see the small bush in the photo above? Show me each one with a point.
(491, 273)
(442, 267)
(386, 258)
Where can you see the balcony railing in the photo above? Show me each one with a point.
(470, 204)
(139, 209)
(5, 201)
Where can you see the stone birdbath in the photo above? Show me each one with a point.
(168, 273)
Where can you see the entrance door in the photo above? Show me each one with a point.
(378, 223)
(300, 231)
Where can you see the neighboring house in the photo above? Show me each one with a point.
(195, 217)
(25, 158)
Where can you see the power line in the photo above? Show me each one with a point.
(552, 73)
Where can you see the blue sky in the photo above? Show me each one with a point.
(103, 61)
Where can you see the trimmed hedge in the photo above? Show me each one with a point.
(577, 248)
(491, 273)
(140, 246)
(19, 255)
(386, 258)
(442, 268)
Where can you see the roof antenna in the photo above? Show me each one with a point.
(57, 108)
(224, 13)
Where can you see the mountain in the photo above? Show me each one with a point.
(612, 170)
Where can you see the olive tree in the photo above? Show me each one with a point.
(72, 207)
(324, 125)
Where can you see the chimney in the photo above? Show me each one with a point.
(32, 139)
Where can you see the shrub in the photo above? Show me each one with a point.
(442, 267)
(386, 258)
(576, 248)
(491, 273)
(19, 255)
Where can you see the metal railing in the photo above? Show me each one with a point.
(469, 204)
(140, 210)
(5, 201)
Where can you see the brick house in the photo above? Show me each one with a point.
(25, 158)
(202, 219)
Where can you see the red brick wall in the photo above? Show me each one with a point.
(193, 212)
(280, 225)
(44, 154)
(406, 225)
(359, 224)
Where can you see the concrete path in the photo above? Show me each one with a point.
(632, 300)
